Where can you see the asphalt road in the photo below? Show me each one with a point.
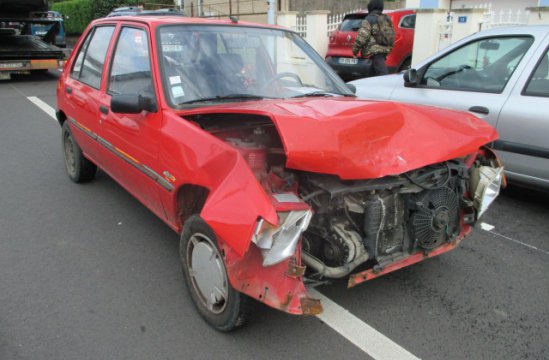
(87, 272)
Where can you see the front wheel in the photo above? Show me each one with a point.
(77, 166)
(203, 266)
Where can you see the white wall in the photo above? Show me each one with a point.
(497, 5)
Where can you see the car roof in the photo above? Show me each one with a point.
(536, 30)
(388, 12)
(159, 20)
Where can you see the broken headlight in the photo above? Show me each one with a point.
(278, 243)
(485, 184)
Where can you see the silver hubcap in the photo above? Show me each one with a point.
(69, 154)
(207, 273)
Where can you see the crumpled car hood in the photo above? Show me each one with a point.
(360, 139)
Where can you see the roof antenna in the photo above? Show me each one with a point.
(234, 19)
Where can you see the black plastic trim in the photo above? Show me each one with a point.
(521, 149)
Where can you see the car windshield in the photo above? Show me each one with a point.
(202, 64)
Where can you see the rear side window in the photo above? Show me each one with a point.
(88, 67)
(352, 22)
(539, 82)
(408, 22)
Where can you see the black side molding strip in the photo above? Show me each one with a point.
(522, 149)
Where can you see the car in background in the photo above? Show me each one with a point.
(242, 139)
(500, 75)
(138, 11)
(43, 29)
(340, 46)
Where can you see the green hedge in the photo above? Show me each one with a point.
(79, 14)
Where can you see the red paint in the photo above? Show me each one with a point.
(360, 139)
(350, 138)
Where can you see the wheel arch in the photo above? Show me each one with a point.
(189, 201)
(61, 117)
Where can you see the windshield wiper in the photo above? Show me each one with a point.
(225, 97)
(320, 94)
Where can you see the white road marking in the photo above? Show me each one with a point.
(341, 320)
(358, 332)
(487, 227)
(43, 106)
(513, 240)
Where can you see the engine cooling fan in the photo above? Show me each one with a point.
(436, 217)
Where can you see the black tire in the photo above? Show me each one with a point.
(78, 168)
(229, 312)
(405, 65)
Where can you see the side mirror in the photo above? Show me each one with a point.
(352, 88)
(410, 77)
(131, 104)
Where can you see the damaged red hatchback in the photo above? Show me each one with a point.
(246, 143)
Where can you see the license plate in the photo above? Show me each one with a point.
(348, 61)
(11, 65)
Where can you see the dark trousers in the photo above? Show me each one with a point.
(378, 65)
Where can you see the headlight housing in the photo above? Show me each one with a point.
(279, 243)
(485, 185)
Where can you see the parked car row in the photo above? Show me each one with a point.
(501, 76)
(244, 141)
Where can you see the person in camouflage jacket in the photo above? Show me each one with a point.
(375, 39)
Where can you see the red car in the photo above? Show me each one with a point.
(340, 47)
(246, 143)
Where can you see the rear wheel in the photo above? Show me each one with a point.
(203, 266)
(77, 166)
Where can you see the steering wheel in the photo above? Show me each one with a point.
(470, 77)
(282, 75)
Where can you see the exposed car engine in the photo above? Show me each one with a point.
(373, 222)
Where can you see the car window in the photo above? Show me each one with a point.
(131, 66)
(539, 82)
(484, 65)
(211, 62)
(90, 69)
(408, 22)
(352, 22)
(77, 67)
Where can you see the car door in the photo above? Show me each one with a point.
(476, 77)
(130, 141)
(82, 88)
(524, 125)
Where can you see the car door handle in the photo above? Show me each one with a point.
(68, 90)
(480, 110)
(103, 109)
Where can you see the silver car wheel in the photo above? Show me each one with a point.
(70, 158)
(207, 273)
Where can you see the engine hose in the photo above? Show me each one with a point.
(332, 272)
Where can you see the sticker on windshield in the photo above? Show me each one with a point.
(174, 80)
(177, 91)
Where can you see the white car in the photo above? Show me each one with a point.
(500, 75)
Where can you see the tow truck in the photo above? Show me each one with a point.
(23, 48)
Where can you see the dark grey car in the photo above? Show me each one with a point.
(500, 75)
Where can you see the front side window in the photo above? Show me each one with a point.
(131, 67)
(202, 63)
(539, 82)
(88, 67)
(485, 65)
